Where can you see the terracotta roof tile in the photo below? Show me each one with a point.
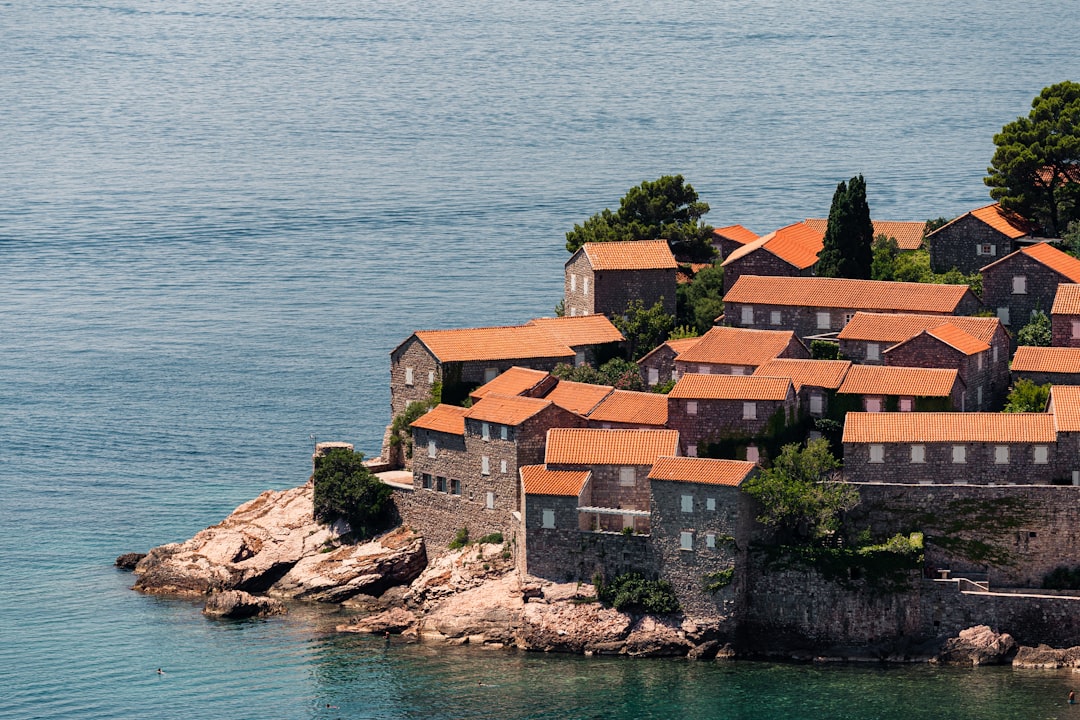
(957, 338)
(580, 330)
(897, 327)
(443, 418)
(907, 233)
(1065, 406)
(538, 480)
(632, 408)
(723, 345)
(737, 233)
(892, 380)
(797, 245)
(586, 446)
(904, 427)
(692, 386)
(1007, 223)
(701, 470)
(1067, 299)
(1054, 259)
(630, 255)
(684, 275)
(506, 409)
(1046, 359)
(815, 373)
(578, 397)
(493, 343)
(846, 293)
(515, 381)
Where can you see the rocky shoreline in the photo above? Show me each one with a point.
(271, 546)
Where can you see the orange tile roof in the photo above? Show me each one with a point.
(443, 418)
(907, 233)
(506, 409)
(684, 275)
(723, 345)
(538, 480)
(632, 408)
(906, 427)
(578, 397)
(797, 245)
(1046, 359)
(701, 470)
(815, 373)
(737, 233)
(1051, 257)
(676, 346)
(587, 446)
(957, 338)
(1007, 223)
(1065, 406)
(630, 255)
(897, 327)
(580, 330)
(1067, 299)
(846, 293)
(894, 380)
(692, 386)
(515, 381)
(493, 343)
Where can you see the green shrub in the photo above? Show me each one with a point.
(494, 538)
(461, 539)
(824, 350)
(716, 581)
(630, 592)
(346, 490)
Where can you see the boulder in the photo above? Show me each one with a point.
(656, 637)
(977, 645)
(489, 613)
(1045, 657)
(239, 604)
(576, 627)
(128, 561)
(394, 621)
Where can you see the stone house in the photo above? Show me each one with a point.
(1064, 405)
(790, 251)
(865, 339)
(593, 338)
(1027, 280)
(878, 388)
(629, 409)
(983, 371)
(525, 382)
(976, 238)
(1042, 365)
(658, 365)
(552, 525)
(815, 381)
(736, 351)
(951, 448)
(603, 278)
(1065, 316)
(720, 408)
(578, 397)
(815, 306)
(728, 239)
(908, 234)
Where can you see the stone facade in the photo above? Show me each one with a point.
(760, 262)
(616, 487)
(984, 376)
(975, 464)
(967, 244)
(713, 420)
(811, 321)
(1048, 378)
(439, 516)
(658, 366)
(1018, 286)
(1065, 329)
(609, 292)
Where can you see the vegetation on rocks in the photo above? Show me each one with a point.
(346, 490)
(630, 592)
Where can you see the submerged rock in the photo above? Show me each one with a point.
(128, 561)
(977, 645)
(1045, 657)
(239, 604)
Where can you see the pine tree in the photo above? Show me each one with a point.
(848, 245)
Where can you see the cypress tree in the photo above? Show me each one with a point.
(848, 245)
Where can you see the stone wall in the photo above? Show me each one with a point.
(956, 246)
(1061, 330)
(1053, 378)
(760, 262)
(615, 289)
(979, 466)
(718, 419)
(1031, 620)
(579, 286)
(439, 516)
(662, 360)
(1041, 287)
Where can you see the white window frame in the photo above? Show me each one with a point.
(502, 466)
(490, 374)
(1001, 454)
(431, 449)
(654, 376)
(686, 540)
(504, 434)
(686, 503)
(710, 540)
(573, 282)
(1003, 315)
(627, 477)
(918, 454)
(872, 404)
(873, 351)
(485, 465)
(548, 521)
(775, 317)
(485, 431)
(585, 284)
(877, 453)
(738, 370)
(1019, 285)
(710, 503)
(749, 410)
(824, 320)
(959, 454)
(409, 376)
(1040, 454)
(489, 500)
(691, 407)
(747, 315)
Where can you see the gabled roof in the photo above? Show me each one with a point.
(538, 480)
(846, 293)
(906, 427)
(1065, 406)
(578, 397)
(1047, 255)
(506, 409)
(1029, 358)
(676, 346)
(827, 374)
(907, 233)
(897, 327)
(443, 418)
(797, 244)
(630, 255)
(730, 473)
(493, 343)
(957, 338)
(723, 345)
(692, 386)
(893, 380)
(587, 446)
(515, 381)
(1007, 223)
(580, 330)
(737, 233)
(1067, 299)
(632, 408)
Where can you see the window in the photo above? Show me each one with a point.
(573, 312)
(1075, 324)
(431, 377)
(824, 321)
(873, 351)
(490, 501)
(774, 317)
(687, 503)
(425, 481)
(1003, 315)
(549, 519)
(502, 466)
(751, 453)
(504, 434)
(440, 484)
(704, 369)
(847, 317)
(905, 404)
(573, 282)
(995, 354)
(686, 540)
(877, 453)
(748, 315)
(485, 465)
(585, 282)
(959, 454)
(872, 404)
(691, 407)
(431, 448)
(1041, 454)
(918, 454)
(979, 358)
(1019, 285)
(691, 449)
(978, 396)
(490, 374)
(986, 249)
(626, 476)
(408, 376)
(675, 375)
(710, 540)
(1001, 454)
(485, 431)
(579, 358)
(749, 411)
(816, 404)
(455, 487)
(710, 503)
(738, 370)
(654, 376)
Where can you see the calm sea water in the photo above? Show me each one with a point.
(218, 218)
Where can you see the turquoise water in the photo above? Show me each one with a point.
(217, 219)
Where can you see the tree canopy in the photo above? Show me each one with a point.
(1026, 396)
(1037, 332)
(1035, 170)
(644, 328)
(699, 302)
(620, 374)
(666, 208)
(849, 236)
(346, 490)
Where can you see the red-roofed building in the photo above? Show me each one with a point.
(603, 278)
(907, 234)
(815, 381)
(658, 366)
(728, 239)
(790, 251)
(630, 409)
(906, 389)
(727, 350)
(1027, 280)
(1042, 365)
(865, 339)
(1065, 316)
(976, 238)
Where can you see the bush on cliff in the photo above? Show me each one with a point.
(346, 490)
(630, 592)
